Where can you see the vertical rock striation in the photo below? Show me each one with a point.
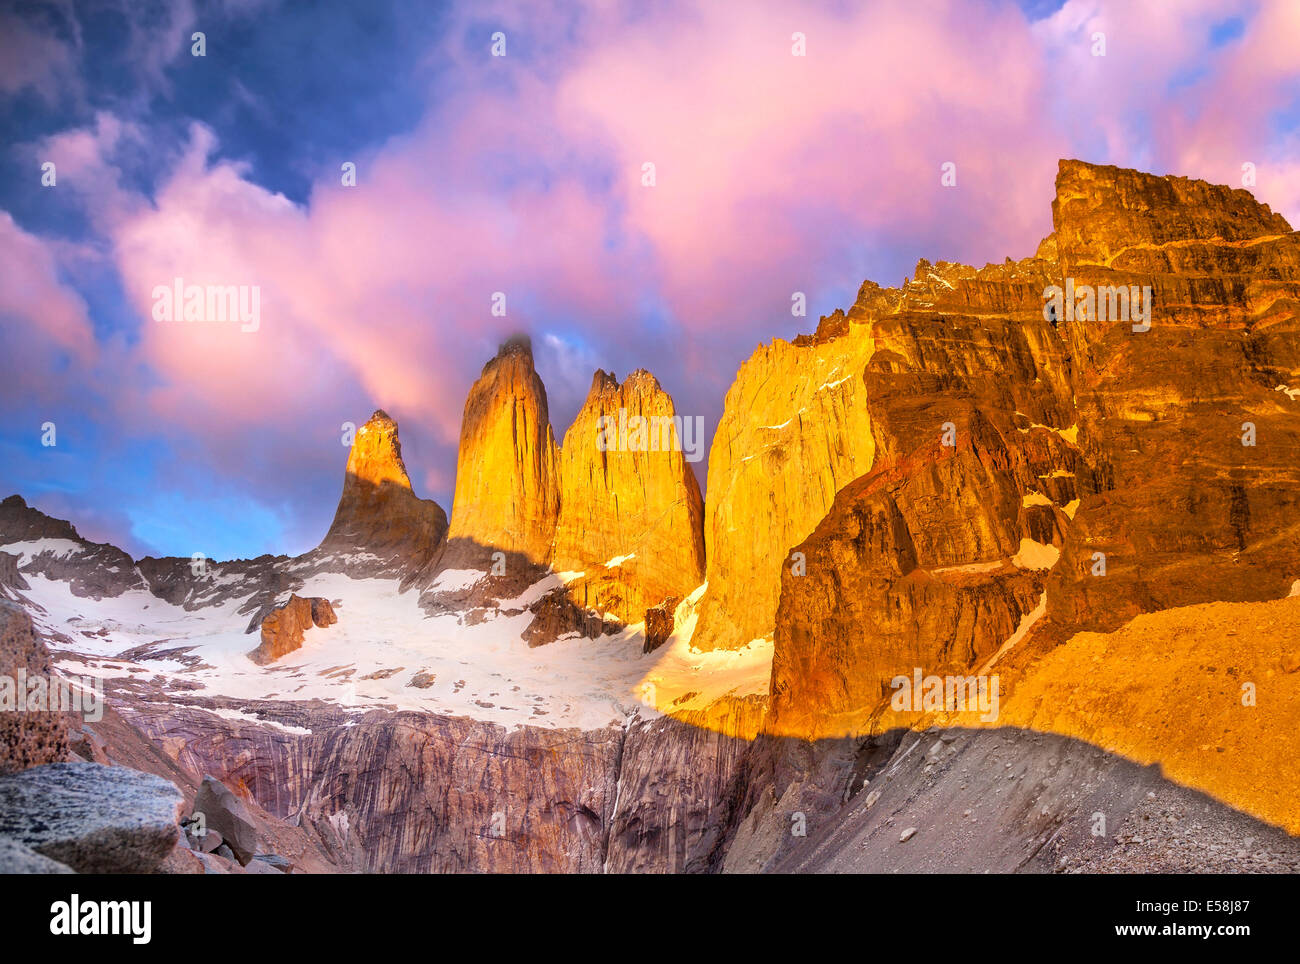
(793, 432)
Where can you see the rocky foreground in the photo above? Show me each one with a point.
(1093, 504)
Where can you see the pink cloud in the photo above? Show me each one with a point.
(760, 154)
(774, 173)
(32, 294)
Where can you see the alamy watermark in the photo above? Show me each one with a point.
(1130, 303)
(651, 433)
(211, 303)
(75, 917)
(919, 693)
(36, 693)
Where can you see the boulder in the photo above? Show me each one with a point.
(283, 627)
(181, 861)
(94, 818)
(217, 864)
(659, 624)
(17, 859)
(229, 816)
(556, 616)
(206, 843)
(261, 867)
(281, 864)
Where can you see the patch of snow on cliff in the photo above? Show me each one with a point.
(1070, 434)
(1026, 624)
(1035, 555)
(685, 678)
(38, 547)
(537, 590)
(229, 714)
(454, 580)
(826, 385)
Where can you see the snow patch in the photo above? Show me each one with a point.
(455, 580)
(226, 713)
(1026, 624)
(37, 547)
(1035, 555)
(366, 660)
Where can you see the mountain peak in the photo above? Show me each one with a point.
(520, 345)
(507, 494)
(641, 507)
(1100, 209)
(378, 511)
(376, 453)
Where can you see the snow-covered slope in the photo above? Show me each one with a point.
(385, 652)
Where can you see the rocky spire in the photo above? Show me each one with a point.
(638, 504)
(507, 491)
(378, 512)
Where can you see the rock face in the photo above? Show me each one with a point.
(378, 513)
(11, 580)
(917, 566)
(793, 432)
(420, 793)
(617, 512)
(1118, 452)
(283, 627)
(630, 511)
(1190, 432)
(507, 487)
(95, 819)
(33, 737)
(1100, 211)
